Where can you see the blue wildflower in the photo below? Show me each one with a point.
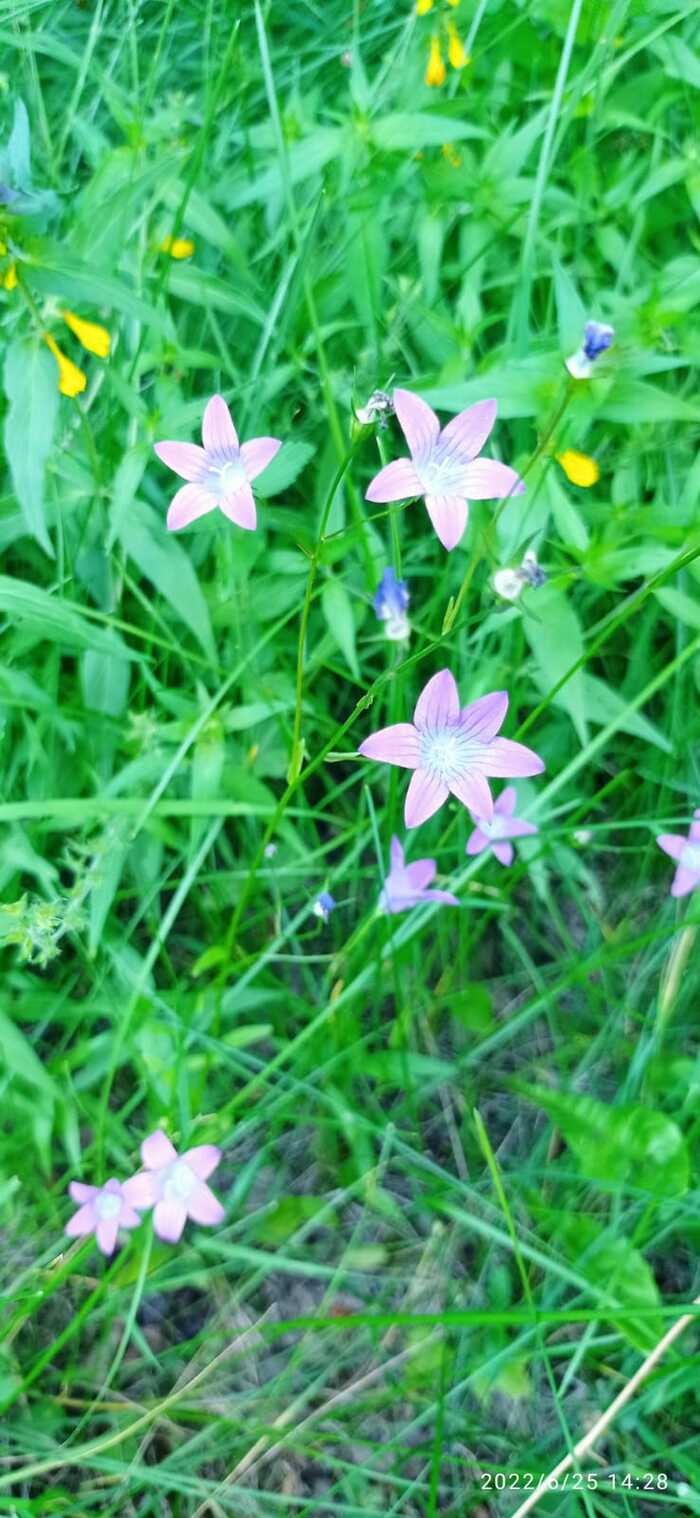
(324, 905)
(390, 604)
(597, 338)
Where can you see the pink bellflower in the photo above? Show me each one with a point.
(503, 826)
(219, 474)
(174, 1185)
(686, 852)
(406, 885)
(451, 750)
(103, 1211)
(444, 466)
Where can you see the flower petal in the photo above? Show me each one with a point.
(204, 1207)
(186, 459)
(239, 507)
(203, 1159)
(258, 453)
(517, 827)
(395, 482)
(466, 434)
(671, 843)
(438, 703)
(82, 1193)
(396, 854)
(129, 1218)
(418, 423)
(684, 881)
(504, 758)
(106, 1234)
(489, 480)
(169, 1219)
(157, 1150)
(420, 873)
(483, 717)
(219, 435)
(505, 804)
(448, 514)
(472, 790)
(190, 502)
(82, 1221)
(477, 842)
(140, 1190)
(424, 796)
(447, 897)
(398, 744)
(503, 852)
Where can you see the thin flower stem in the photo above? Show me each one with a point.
(606, 1418)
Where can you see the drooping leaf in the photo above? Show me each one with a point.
(554, 634)
(61, 622)
(31, 388)
(626, 1145)
(284, 468)
(164, 562)
(340, 620)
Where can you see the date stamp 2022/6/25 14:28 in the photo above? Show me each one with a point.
(624, 1481)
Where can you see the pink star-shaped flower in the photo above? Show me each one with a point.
(174, 1185)
(219, 474)
(444, 467)
(686, 852)
(451, 750)
(103, 1211)
(503, 826)
(406, 885)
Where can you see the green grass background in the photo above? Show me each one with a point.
(504, 1274)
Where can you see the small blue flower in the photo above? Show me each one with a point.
(390, 604)
(597, 338)
(324, 905)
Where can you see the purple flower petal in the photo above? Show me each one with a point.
(129, 1218)
(186, 459)
(503, 852)
(517, 827)
(398, 744)
(438, 702)
(488, 480)
(473, 790)
(239, 507)
(106, 1234)
(445, 896)
(395, 482)
(420, 873)
(418, 422)
(157, 1150)
(671, 843)
(82, 1221)
(258, 453)
(477, 842)
(448, 514)
(396, 854)
(424, 796)
(218, 432)
(684, 881)
(483, 717)
(505, 805)
(82, 1193)
(140, 1190)
(464, 437)
(504, 758)
(203, 1159)
(204, 1207)
(190, 502)
(169, 1219)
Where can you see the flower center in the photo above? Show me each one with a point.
(690, 858)
(108, 1205)
(447, 753)
(441, 476)
(494, 829)
(225, 479)
(180, 1182)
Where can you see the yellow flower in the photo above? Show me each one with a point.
(10, 278)
(435, 72)
(93, 337)
(578, 467)
(448, 152)
(177, 247)
(456, 50)
(71, 379)
(423, 6)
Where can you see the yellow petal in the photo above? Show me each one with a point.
(10, 279)
(177, 247)
(435, 72)
(423, 6)
(71, 379)
(93, 337)
(578, 467)
(456, 50)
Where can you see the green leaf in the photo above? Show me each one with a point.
(615, 1265)
(32, 391)
(522, 388)
(288, 1214)
(84, 284)
(571, 312)
(18, 1057)
(284, 468)
(632, 400)
(554, 634)
(606, 705)
(201, 289)
(409, 130)
(18, 149)
(105, 682)
(626, 1145)
(164, 562)
(679, 605)
(337, 610)
(60, 621)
